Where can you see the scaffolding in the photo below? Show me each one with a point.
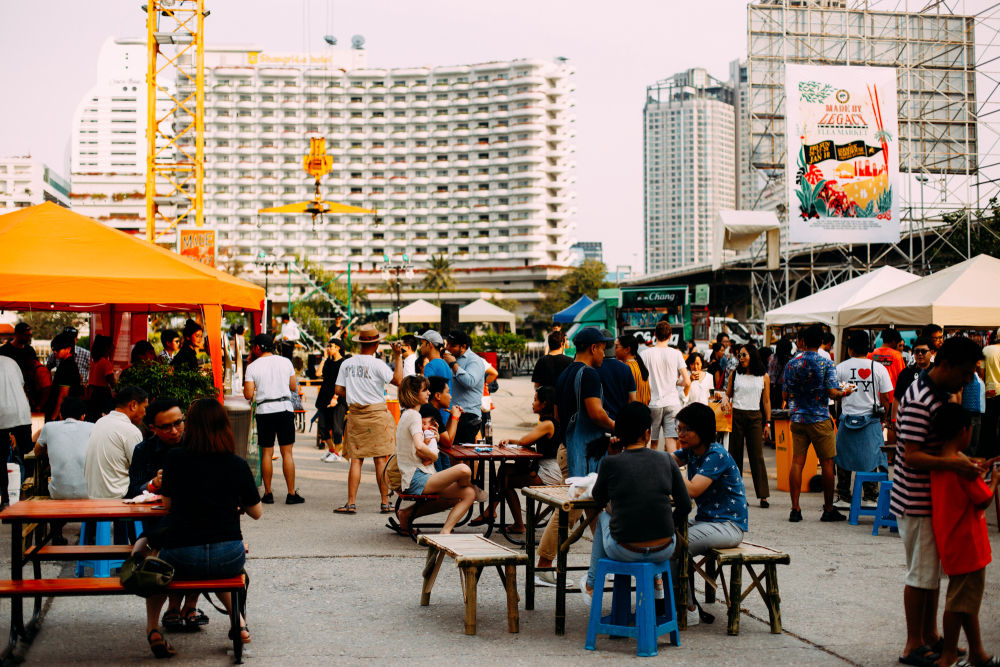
(947, 58)
(175, 146)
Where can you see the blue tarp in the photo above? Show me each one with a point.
(568, 314)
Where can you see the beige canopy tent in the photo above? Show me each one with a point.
(418, 312)
(482, 310)
(737, 230)
(963, 295)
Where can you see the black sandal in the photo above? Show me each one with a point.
(172, 621)
(161, 648)
(346, 509)
(194, 619)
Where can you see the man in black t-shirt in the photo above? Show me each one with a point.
(19, 349)
(617, 381)
(590, 345)
(552, 364)
(66, 381)
(331, 411)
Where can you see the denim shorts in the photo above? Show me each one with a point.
(417, 482)
(206, 561)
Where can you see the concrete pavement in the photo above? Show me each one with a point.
(344, 589)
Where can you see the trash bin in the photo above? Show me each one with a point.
(783, 452)
(238, 410)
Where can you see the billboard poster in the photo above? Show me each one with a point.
(197, 243)
(843, 154)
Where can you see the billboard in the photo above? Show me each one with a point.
(197, 243)
(843, 154)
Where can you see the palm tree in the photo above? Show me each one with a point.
(439, 276)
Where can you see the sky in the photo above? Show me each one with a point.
(48, 60)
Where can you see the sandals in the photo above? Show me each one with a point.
(194, 619)
(481, 520)
(938, 646)
(386, 508)
(172, 622)
(160, 647)
(244, 634)
(346, 509)
(394, 526)
(922, 656)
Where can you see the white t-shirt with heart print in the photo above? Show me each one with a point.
(859, 372)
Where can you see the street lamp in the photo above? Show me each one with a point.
(267, 264)
(922, 178)
(393, 270)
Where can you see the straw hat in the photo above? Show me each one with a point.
(368, 333)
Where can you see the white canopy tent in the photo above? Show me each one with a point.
(482, 310)
(418, 312)
(739, 229)
(963, 295)
(826, 306)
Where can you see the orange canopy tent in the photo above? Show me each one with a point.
(54, 259)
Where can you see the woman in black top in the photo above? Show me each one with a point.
(644, 494)
(194, 341)
(514, 476)
(206, 488)
(331, 412)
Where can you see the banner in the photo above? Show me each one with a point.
(843, 154)
(197, 243)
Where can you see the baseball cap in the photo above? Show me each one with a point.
(459, 337)
(21, 327)
(263, 341)
(70, 331)
(432, 337)
(590, 336)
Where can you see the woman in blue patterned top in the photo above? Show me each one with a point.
(715, 484)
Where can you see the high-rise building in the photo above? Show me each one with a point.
(582, 251)
(689, 160)
(108, 144)
(26, 182)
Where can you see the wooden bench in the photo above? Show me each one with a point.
(112, 586)
(472, 553)
(765, 582)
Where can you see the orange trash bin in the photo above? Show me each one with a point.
(783, 452)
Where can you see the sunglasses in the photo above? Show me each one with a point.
(921, 352)
(169, 427)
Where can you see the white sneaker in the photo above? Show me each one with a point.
(332, 457)
(587, 597)
(481, 495)
(693, 617)
(545, 579)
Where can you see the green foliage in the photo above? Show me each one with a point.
(585, 279)
(159, 379)
(499, 342)
(306, 315)
(985, 239)
(45, 325)
(439, 275)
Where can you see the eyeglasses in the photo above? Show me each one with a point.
(169, 427)
(921, 351)
(744, 355)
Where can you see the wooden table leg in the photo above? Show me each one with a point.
(683, 557)
(773, 597)
(431, 568)
(529, 548)
(711, 569)
(510, 583)
(561, 573)
(470, 575)
(735, 597)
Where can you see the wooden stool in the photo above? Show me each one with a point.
(472, 553)
(745, 555)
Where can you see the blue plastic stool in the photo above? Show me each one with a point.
(859, 479)
(643, 624)
(883, 515)
(103, 533)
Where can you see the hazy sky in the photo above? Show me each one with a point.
(48, 58)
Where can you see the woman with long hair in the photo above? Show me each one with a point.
(776, 368)
(205, 487)
(194, 342)
(627, 351)
(102, 379)
(749, 391)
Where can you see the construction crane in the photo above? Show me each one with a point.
(317, 164)
(175, 143)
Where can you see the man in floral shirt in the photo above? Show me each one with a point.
(810, 381)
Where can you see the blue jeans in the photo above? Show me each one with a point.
(605, 546)
(206, 561)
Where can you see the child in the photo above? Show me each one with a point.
(960, 532)
(429, 426)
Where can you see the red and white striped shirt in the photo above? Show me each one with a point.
(911, 488)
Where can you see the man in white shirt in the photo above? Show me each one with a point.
(409, 354)
(826, 349)
(289, 336)
(667, 371)
(65, 443)
(371, 430)
(110, 445)
(15, 413)
(270, 380)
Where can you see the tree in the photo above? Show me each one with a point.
(951, 248)
(439, 275)
(47, 324)
(582, 280)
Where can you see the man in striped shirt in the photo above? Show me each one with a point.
(917, 453)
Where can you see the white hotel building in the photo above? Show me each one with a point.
(472, 160)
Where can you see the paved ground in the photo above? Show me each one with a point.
(341, 589)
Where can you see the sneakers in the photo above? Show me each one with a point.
(832, 515)
(267, 498)
(331, 457)
(795, 516)
(294, 499)
(545, 579)
(587, 597)
(693, 617)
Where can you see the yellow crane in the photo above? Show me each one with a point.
(317, 164)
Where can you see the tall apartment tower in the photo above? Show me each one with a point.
(689, 160)
(26, 182)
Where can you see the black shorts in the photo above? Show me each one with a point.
(275, 424)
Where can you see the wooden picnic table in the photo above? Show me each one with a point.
(32, 511)
(474, 453)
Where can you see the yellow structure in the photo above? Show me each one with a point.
(174, 175)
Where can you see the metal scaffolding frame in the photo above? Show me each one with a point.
(175, 174)
(947, 56)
